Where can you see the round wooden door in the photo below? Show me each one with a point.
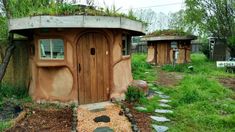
(93, 68)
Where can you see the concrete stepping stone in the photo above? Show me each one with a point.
(164, 101)
(103, 129)
(164, 105)
(140, 108)
(158, 92)
(158, 128)
(160, 119)
(164, 96)
(102, 118)
(162, 111)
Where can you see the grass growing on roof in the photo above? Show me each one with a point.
(53, 8)
(199, 101)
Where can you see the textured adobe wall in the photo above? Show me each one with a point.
(151, 53)
(122, 77)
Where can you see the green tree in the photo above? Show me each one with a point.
(213, 18)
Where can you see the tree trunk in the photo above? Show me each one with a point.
(6, 60)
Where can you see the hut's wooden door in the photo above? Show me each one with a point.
(93, 68)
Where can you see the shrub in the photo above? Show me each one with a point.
(133, 94)
(8, 91)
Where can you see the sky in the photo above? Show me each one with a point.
(162, 8)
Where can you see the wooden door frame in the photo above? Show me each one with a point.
(110, 72)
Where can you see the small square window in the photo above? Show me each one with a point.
(51, 48)
(126, 45)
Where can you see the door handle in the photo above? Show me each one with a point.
(79, 68)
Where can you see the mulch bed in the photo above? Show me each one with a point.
(143, 120)
(45, 120)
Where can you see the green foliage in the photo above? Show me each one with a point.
(141, 70)
(176, 68)
(133, 94)
(199, 101)
(3, 29)
(196, 88)
(170, 32)
(201, 65)
(9, 91)
(4, 125)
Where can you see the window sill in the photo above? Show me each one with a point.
(51, 63)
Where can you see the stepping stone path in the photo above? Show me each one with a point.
(162, 103)
(160, 128)
(160, 119)
(164, 96)
(141, 108)
(163, 111)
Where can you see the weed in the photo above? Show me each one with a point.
(133, 94)
(9, 91)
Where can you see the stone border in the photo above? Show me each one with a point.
(75, 22)
(131, 119)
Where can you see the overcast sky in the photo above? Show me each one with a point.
(164, 6)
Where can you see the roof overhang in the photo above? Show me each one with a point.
(167, 38)
(36, 22)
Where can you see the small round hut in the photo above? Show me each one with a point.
(168, 47)
(84, 59)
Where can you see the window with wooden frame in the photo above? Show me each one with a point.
(51, 48)
(126, 45)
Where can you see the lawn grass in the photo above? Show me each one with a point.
(142, 70)
(200, 103)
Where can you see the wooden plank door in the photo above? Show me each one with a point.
(93, 68)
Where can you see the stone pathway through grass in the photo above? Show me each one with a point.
(164, 110)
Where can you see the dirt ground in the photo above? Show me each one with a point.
(119, 123)
(228, 82)
(168, 79)
(45, 120)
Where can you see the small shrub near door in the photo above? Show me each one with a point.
(134, 94)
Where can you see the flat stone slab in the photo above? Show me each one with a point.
(160, 119)
(95, 107)
(164, 96)
(164, 105)
(102, 118)
(141, 108)
(164, 101)
(103, 129)
(158, 128)
(159, 92)
(163, 111)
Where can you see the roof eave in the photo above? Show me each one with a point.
(37, 22)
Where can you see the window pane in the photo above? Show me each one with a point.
(58, 48)
(45, 48)
(126, 45)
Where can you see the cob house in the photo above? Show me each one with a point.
(84, 59)
(168, 47)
